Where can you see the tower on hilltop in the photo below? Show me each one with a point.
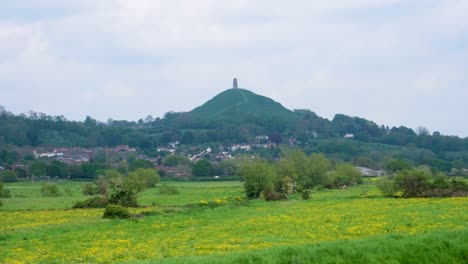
(234, 84)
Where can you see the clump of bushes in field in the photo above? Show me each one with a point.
(421, 183)
(295, 172)
(93, 202)
(50, 189)
(90, 188)
(4, 193)
(167, 189)
(116, 211)
(117, 189)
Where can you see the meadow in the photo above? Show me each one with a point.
(210, 222)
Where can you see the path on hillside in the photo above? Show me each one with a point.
(245, 98)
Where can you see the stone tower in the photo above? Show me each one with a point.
(234, 84)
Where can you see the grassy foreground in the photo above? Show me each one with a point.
(353, 225)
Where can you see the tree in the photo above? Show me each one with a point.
(346, 174)
(140, 163)
(398, 165)
(149, 177)
(8, 176)
(258, 177)
(316, 171)
(38, 168)
(4, 193)
(412, 183)
(202, 168)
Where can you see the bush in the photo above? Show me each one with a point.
(8, 176)
(269, 195)
(50, 190)
(412, 183)
(94, 202)
(149, 177)
(116, 211)
(123, 197)
(258, 177)
(305, 195)
(166, 189)
(90, 189)
(4, 193)
(386, 187)
(1, 203)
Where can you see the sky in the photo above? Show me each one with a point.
(395, 62)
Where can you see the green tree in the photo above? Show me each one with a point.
(412, 183)
(345, 175)
(316, 172)
(258, 177)
(202, 168)
(398, 165)
(8, 176)
(38, 168)
(150, 177)
(4, 193)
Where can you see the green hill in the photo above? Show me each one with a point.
(240, 105)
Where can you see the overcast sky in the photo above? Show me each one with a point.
(396, 62)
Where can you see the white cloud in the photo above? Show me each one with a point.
(128, 58)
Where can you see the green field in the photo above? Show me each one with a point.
(208, 222)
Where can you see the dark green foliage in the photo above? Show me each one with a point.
(140, 163)
(50, 190)
(305, 195)
(21, 173)
(386, 187)
(38, 168)
(202, 168)
(94, 202)
(413, 183)
(345, 175)
(149, 177)
(258, 177)
(116, 211)
(420, 183)
(398, 165)
(271, 195)
(242, 106)
(176, 160)
(8, 176)
(166, 189)
(90, 189)
(4, 193)
(123, 197)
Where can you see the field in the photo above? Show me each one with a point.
(209, 222)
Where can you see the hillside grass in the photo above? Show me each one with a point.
(334, 226)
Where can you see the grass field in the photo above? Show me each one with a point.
(353, 225)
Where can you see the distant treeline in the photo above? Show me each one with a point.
(370, 143)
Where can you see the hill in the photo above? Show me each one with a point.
(240, 105)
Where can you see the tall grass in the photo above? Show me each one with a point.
(438, 247)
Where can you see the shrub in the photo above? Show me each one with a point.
(258, 177)
(50, 190)
(1, 203)
(386, 187)
(412, 183)
(269, 195)
(116, 211)
(166, 189)
(305, 195)
(8, 176)
(123, 197)
(4, 193)
(148, 177)
(94, 202)
(90, 189)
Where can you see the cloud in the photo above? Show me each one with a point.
(390, 61)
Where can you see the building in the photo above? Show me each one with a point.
(367, 172)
